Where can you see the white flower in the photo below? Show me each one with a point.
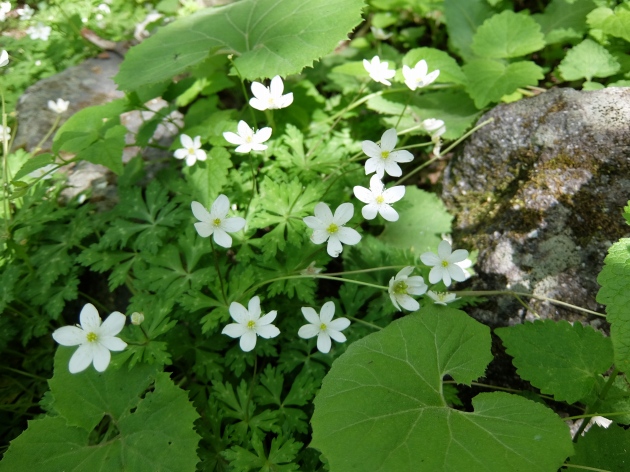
(441, 298)
(418, 77)
(383, 158)
(402, 286)
(378, 70)
(270, 98)
(216, 222)
(104, 8)
(5, 133)
(601, 421)
(323, 327)
(191, 150)
(331, 228)
(311, 269)
(246, 139)
(378, 200)
(4, 58)
(137, 318)
(40, 31)
(249, 324)
(25, 13)
(380, 34)
(434, 127)
(59, 106)
(444, 264)
(94, 339)
(5, 7)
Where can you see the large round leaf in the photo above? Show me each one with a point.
(381, 407)
(267, 38)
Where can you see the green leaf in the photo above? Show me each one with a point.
(507, 35)
(267, 37)
(463, 17)
(615, 295)
(489, 80)
(150, 433)
(587, 60)
(618, 24)
(562, 20)
(208, 178)
(603, 449)
(381, 405)
(558, 358)
(281, 451)
(33, 164)
(420, 225)
(108, 150)
(436, 59)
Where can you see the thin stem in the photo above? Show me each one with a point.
(245, 94)
(314, 276)
(592, 415)
(583, 467)
(216, 265)
(47, 135)
(473, 293)
(5, 167)
(366, 323)
(362, 271)
(600, 397)
(21, 372)
(94, 301)
(403, 110)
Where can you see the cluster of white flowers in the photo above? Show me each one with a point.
(249, 325)
(5, 7)
(60, 106)
(39, 31)
(416, 77)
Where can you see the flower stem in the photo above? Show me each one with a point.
(600, 398)
(366, 323)
(216, 265)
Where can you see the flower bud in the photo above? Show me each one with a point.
(137, 318)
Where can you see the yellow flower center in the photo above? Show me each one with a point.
(248, 139)
(92, 337)
(444, 263)
(322, 327)
(400, 287)
(216, 221)
(384, 154)
(251, 324)
(191, 151)
(333, 228)
(380, 199)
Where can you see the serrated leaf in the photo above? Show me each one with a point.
(559, 359)
(267, 37)
(587, 60)
(490, 80)
(618, 24)
(281, 452)
(436, 59)
(154, 433)
(614, 294)
(603, 449)
(208, 178)
(389, 384)
(507, 35)
(463, 17)
(420, 225)
(562, 20)
(33, 164)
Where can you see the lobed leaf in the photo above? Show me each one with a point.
(507, 35)
(587, 60)
(603, 449)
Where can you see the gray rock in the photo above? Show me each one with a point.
(540, 193)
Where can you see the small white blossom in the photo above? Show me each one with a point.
(441, 298)
(215, 222)
(444, 264)
(246, 139)
(270, 98)
(5, 133)
(323, 326)
(418, 77)
(331, 228)
(383, 158)
(380, 34)
(601, 421)
(191, 151)
(434, 127)
(5, 7)
(402, 287)
(378, 70)
(25, 13)
(104, 8)
(94, 339)
(4, 58)
(378, 200)
(249, 324)
(59, 106)
(311, 269)
(137, 318)
(40, 31)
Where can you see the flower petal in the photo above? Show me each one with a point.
(267, 319)
(308, 331)
(371, 149)
(204, 229)
(222, 238)
(339, 324)
(81, 358)
(286, 100)
(408, 303)
(348, 236)
(394, 194)
(220, 207)
(311, 315)
(327, 312)
(112, 343)
(186, 141)
(444, 249)
(370, 211)
(320, 236)
(456, 273)
(391, 168)
(262, 135)
(239, 313)
(260, 92)
(248, 341)
(268, 331)
(234, 330)
(401, 156)
(376, 185)
(113, 324)
(334, 247)
(430, 259)
(90, 321)
(244, 130)
(200, 212)
(388, 213)
(276, 87)
(337, 336)
(323, 213)
(363, 194)
(404, 272)
(343, 213)
(69, 336)
(458, 255)
(389, 139)
(102, 356)
(180, 153)
(258, 104)
(231, 225)
(253, 308)
(436, 274)
(323, 343)
(374, 164)
(232, 138)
